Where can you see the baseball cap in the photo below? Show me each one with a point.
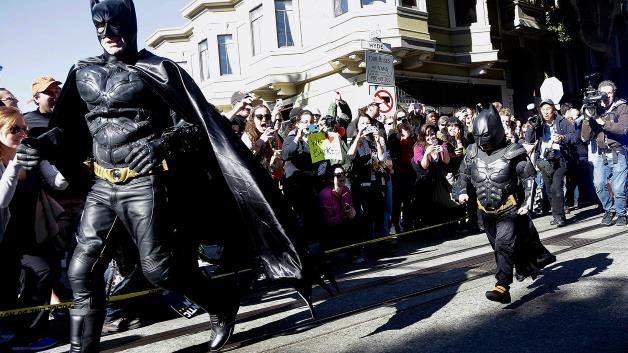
(546, 101)
(294, 112)
(41, 84)
(238, 96)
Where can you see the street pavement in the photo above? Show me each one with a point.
(428, 296)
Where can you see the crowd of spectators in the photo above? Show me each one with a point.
(350, 175)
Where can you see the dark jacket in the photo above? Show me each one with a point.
(37, 122)
(563, 127)
(614, 132)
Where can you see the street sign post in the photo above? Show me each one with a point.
(376, 45)
(552, 88)
(380, 69)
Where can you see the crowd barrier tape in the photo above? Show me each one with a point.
(115, 298)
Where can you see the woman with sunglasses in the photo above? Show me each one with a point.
(261, 137)
(24, 244)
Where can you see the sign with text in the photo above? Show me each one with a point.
(376, 45)
(324, 146)
(380, 69)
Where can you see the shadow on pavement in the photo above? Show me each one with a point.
(591, 319)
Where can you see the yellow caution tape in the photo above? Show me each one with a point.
(115, 298)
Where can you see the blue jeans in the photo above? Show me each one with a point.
(605, 168)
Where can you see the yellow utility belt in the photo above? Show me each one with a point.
(510, 201)
(122, 175)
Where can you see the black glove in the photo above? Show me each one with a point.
(32, 151)
(146, 155)
(29, 153)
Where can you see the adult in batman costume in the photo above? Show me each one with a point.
(154, 144)
(503, 178)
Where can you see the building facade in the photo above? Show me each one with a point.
(446, 53)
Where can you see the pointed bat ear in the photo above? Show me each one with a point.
(494, 110)
(93, 3)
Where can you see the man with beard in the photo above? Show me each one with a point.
(45, 91)
(502, 176)
(155, 144)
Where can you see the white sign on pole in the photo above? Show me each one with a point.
(552, 88)
(376, 45)
(380, 69)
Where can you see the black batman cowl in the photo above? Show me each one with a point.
(119, 20)
(488, 130)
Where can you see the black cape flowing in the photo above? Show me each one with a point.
(261, 216)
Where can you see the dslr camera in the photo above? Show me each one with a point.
(330, 122)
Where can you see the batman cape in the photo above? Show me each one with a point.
(244, 204)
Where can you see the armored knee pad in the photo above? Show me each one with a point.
(158, 270)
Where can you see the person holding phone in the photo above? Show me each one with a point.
(338, 215)
(299, 184)
(369, 177)
(261, 137)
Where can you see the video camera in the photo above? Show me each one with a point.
(535, 120)
(592, 97)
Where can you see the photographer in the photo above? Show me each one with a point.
(552, 136)
(610, 131)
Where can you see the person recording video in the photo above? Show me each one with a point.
(608, 134)
(552, 136)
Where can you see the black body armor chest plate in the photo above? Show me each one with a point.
(122, 110)
(493, 177)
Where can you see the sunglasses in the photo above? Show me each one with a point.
(341, 174)
(9, 99)
(263, 116)
(16, 129)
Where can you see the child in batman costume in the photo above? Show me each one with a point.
(156, 145)
(502, 175)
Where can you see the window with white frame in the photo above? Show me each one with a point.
(341, 7)
(203, 60)
(409, 3)
(226, 54)
(464, 12)
(256, 29)
(371, 2)
(285, 22)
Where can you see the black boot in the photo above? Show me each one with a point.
(85, 329)
(499, 294)
(222, 325)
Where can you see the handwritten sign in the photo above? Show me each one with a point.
(324, 146)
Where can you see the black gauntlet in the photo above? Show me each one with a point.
(148, 154)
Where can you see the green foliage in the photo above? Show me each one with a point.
(561, 33)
